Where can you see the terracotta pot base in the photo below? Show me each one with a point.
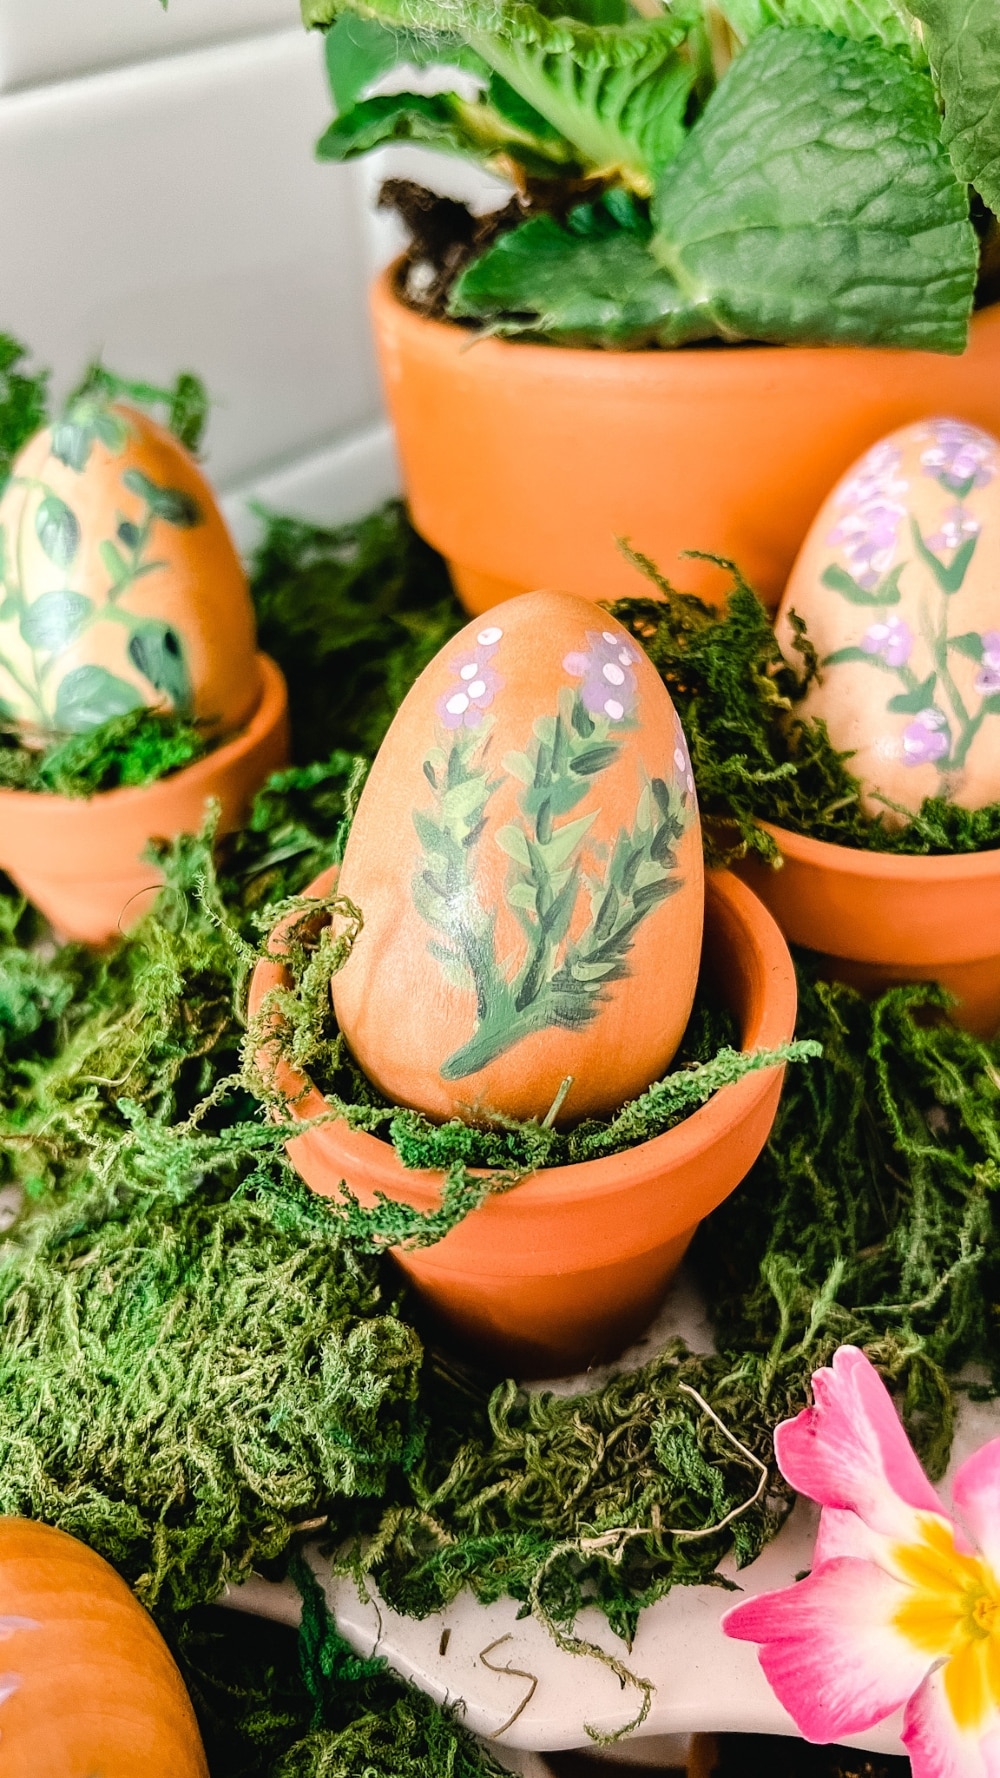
(80, 859)
(570, 1266)
(878, 919)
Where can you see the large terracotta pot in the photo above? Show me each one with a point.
(523, 463)
(879, 918)
(80, 859)
(570, 1266)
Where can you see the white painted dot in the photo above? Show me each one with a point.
(613, 709)
(613, 674)
(488, 636)
(609, 636)
(476, 691)
(679, 759)
(470, 670)
(690, 781)
(457, 705)
(626, 657)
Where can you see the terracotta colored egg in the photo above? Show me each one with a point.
(527, 858)
(87, 1686)
(898, 583)
(119, 583)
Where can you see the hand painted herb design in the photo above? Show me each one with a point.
(559, 980)
(88, 695)
(943, 727)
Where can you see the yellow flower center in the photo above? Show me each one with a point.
(953, 1614)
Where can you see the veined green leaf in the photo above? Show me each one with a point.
(439, 120)
(962, 38)
(881, 21)
(360, 50)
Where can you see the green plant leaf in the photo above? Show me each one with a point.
(173, 505)
(991, 705)
(969, 644)
(157, 651)
(962, 38)
(811, 202)
(886, 593)
(909, 703)
(115, 565)
(949, 575)
(841, 656)
(58, 531)
(54, 620)
(22, 402)
(359, 50)
(880, 21)
(439, 120)
(90, 695)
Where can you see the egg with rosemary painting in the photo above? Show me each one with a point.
(898, 584)
(119, 584)
(526, 857)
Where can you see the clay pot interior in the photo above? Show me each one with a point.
(568, 1268)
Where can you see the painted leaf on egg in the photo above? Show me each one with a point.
(54, 619)
(552, 984)
(58, 531)
(89, 696)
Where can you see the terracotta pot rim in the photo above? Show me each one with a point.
(936, 868)
(496, 352)
(705, 1128)
(125, 800)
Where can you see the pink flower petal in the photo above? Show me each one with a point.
(844, 1534)
(830, 1650)
(850, 1450)
(976, 1493)
(936, 1745)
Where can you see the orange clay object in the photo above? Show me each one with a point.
(523, 463)
(80, 859)
(570, 1266)
(879, 918)
(527, 859)
(121, 584)
(88, 1688)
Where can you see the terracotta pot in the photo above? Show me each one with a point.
(878, 918)
(571, 1265)
(523, 463)
(80, 859)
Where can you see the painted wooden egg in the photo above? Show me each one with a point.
(898, 583)
(526, 855)
(88, 1688)
(119, 583)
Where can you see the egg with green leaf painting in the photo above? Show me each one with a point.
(898, 585)
(526, 857)
(119, 584)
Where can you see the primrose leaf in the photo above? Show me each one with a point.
(360, 50)
(438, 120)
(813, 202)
(881, 21)
(90, 695)
(962, 38)
(52, 621)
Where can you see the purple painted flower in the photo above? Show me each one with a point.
(959, 456)
(476, 682)
(988, 677)
(957, 524)
(926, 738)
(891, 640)
(873, 511)
(608, 673)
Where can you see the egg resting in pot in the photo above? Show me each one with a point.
(526, 856)
(119, 584)
(898, 584)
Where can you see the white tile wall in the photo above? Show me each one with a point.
(169, 213)
(48, 39)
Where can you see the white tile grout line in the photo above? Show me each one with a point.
(229, 55)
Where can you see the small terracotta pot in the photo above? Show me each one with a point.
(80, 859)
(571, 1265)
(523, 463)
(879, 918)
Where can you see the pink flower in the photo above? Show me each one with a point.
(902, 1607)
(891, 640)
(926, 739)
(607, 669)
(957, 524)
(476, 682)
(959, 456)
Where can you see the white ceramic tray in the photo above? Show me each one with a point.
(486, 1662)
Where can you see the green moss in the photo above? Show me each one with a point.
(126, 751)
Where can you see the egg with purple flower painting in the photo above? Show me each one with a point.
(526, 857)
(898, 584)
